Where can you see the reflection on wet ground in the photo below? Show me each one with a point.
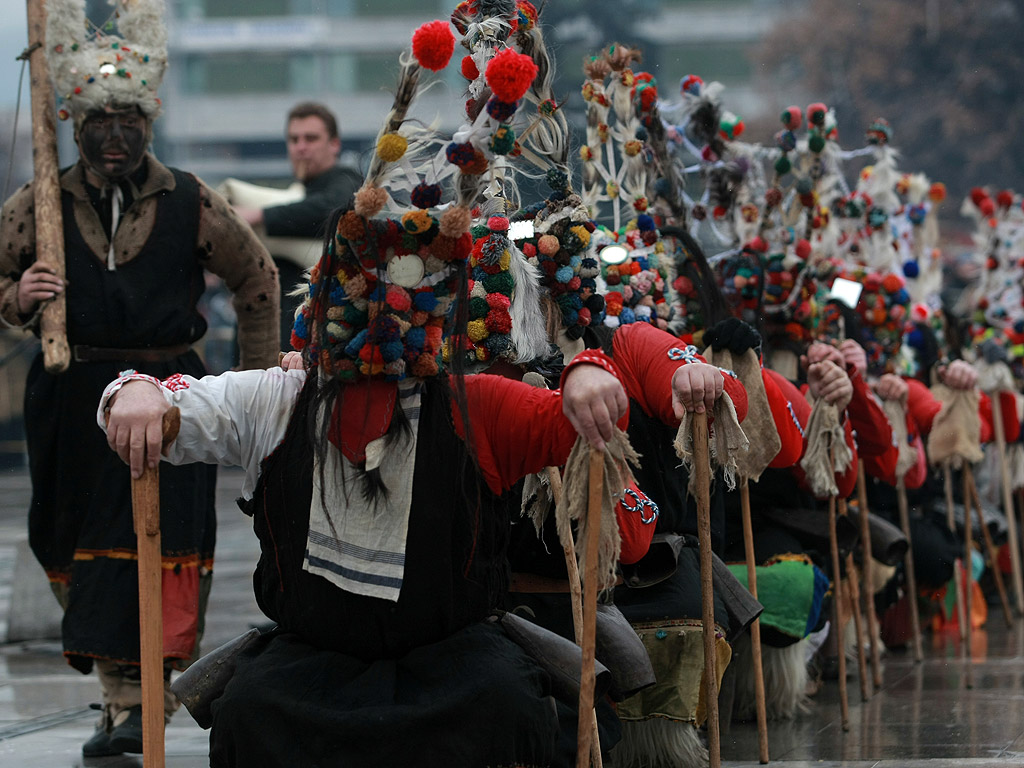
(924, 716)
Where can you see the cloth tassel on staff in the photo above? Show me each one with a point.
(146, 516)
(750, 463)
(868, 577)
(896, 412)
(696, 448)
(827, 453)
(590, 492)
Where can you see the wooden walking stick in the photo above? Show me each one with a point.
(46, 190)
(968, 569)
(576, 600)
(1008, 508)
(146, 517)
(990, 547)
(908, 566)
(837, 601)
(702, 470)
(958, 569)
(853, 600)
(868, 576)
(755, 627)
(584, 729)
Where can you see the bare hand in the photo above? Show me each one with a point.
(38, 283)
(135, 425)
(593, 400)
(291, 361)
(959, 375)
(892, 387)
(853, 354)
(695, 388)
(819, 351)
(829, 382)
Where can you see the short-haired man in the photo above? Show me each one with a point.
(314, 144)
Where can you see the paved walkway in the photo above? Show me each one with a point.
(924, 717)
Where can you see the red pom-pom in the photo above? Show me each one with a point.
(803, 248)
(510, 74)
(1005, 198)
(498, 321)
(433, 45)
(816, 114)
(977, 195)
(759, 244)
(469, 70)
(497, 224)
(987, 207)
(529, 250)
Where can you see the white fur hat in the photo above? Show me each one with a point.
(93, 69)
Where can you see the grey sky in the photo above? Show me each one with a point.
(13, 39)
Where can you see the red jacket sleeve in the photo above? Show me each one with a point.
(517, 429)
(637, 521)
(646, 358)
(872, 428)
(789, 428)
(883, 467)
(1008, 408)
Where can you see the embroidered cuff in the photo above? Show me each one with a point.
(172, 384)
(589, 357)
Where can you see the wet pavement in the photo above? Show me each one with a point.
(924, 717)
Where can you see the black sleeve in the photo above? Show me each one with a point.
(306, 218)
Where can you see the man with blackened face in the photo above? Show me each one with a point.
(112, 142)
(138, 237)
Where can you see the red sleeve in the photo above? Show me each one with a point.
(637, 521)
(517, 429)
(872, 428)
(884, 467)
(646, 359)
(1008, 408)
(789, 428)
(922, 406)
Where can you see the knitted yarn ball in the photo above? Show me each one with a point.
(510, 74)
(433, 44)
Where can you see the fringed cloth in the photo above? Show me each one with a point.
(759, 421)
(726, 441)
(896, 412)
(827, 451)
(956, 430)
(572, 506)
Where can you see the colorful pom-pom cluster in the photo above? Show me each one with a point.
(636, 287)
(368, 324)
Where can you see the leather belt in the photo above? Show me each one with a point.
(86, 354)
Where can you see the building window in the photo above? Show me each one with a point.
(240, 73)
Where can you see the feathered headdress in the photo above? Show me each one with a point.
(121, 62)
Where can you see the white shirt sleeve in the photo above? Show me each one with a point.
(235, 419)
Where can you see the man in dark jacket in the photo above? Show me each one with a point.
(313, 147)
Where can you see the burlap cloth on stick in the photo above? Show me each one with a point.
(726, 442)
(956, 429)
(759, 421)
(824, 432)
(906, 457)
(572, 506)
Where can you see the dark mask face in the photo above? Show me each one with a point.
(113, 142)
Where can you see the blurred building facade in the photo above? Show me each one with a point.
(238, 66)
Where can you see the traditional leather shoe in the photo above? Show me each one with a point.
(126, 735)
(98, 744)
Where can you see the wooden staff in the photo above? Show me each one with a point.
(853, 600)
(755, 627)
(990, 547)
(146, 519)
(908, 566)
(968, 569)
(837, 601)
(576, 599)
(584, 728)
(868, 576)
(49, 224)
(1011, 518)
(702, 475)
(958, 569)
